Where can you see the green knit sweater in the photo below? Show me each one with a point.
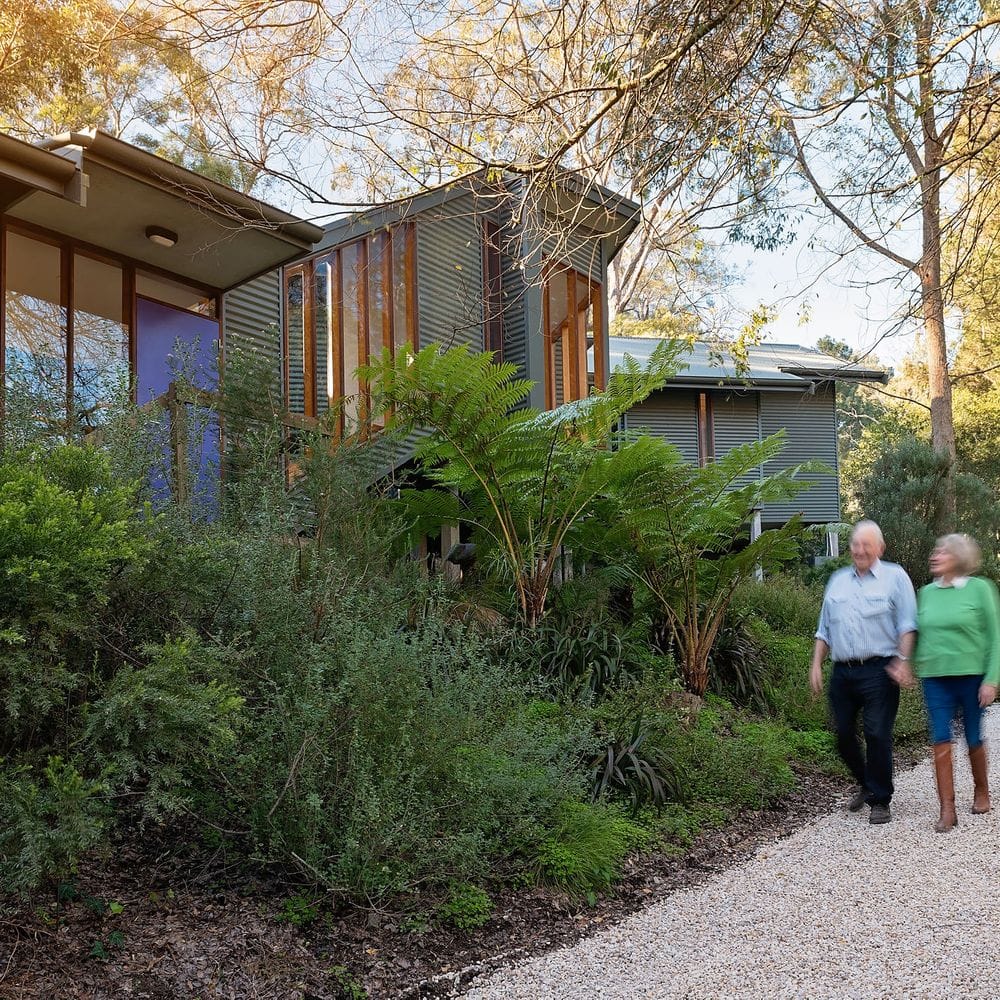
(959, 630)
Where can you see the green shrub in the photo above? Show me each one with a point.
(584, 851)
(47, 821)
(467, 907)
(784, 603)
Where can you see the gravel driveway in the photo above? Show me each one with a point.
(839, 909)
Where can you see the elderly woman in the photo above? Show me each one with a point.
(958, 663)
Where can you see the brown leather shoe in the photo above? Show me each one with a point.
(980, 779)
(945, 777)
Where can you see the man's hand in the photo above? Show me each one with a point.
(987, 694)
(816, 679)
(900, 672)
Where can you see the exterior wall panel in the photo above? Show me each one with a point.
(735, 423)
(670, 414)
(252, 320)
(810, 423)
(450, 275)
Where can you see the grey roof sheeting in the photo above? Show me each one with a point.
(777, 365)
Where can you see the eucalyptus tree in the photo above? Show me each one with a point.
(888, 109)
(648, 99)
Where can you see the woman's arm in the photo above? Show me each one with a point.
(991, 636)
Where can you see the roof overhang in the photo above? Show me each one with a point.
(224, 237)
(578, 203)
(27, 170)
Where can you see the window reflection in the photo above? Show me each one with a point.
(350, 264)
(296, 354)
(35, 347)
(100, 341)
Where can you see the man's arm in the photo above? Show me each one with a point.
(899, 667)
(820, 650)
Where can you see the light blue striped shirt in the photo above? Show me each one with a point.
(865, 615)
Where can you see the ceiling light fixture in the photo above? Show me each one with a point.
(160, 236)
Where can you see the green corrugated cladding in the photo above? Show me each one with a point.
(808, 419)
(252, 319)
(670, 414)
(450, 274)
(810, 424)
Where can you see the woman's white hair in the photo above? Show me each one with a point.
(868, 527)
(964, 550)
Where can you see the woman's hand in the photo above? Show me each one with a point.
(900, 672)
(987, 694)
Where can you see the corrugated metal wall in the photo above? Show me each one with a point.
(735, 422)
(450, 275)
(252, 319)
(810, 422)
(672, 414)
(575, 245)
(515, 344)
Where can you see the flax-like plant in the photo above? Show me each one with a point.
(525, 481)
(685, 534)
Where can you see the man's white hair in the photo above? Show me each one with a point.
(868, 526)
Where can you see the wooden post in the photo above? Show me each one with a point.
(449, 538)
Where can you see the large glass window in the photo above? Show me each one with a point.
(100, 341)
(36, 334)
(363, 301)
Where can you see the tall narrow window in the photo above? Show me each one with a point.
(572, 325)
(351, 325)
(100, 341)
(35, 348)
(706, 429)
(404, 292)
(326, 387)
(492, 291)
(295, 342)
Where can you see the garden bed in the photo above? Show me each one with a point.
(152, 923)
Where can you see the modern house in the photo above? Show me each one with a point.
(475, 262)
(711, 406)
(115, 269)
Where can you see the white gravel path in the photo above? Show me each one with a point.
(839, 909)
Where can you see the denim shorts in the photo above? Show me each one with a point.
(944, 697)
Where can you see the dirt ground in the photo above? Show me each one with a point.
(150, 922)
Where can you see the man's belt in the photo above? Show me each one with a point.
(862, 663)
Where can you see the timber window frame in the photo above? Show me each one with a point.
(347, 304)
(137, 280)
(572, 323)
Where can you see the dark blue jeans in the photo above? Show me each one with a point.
(866, 690)
(944, 696)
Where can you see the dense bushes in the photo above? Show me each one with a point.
(286, 681)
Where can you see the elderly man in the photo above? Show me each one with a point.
(867, 626)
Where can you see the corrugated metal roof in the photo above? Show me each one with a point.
(710, 363)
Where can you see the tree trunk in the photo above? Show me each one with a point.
(931, 292)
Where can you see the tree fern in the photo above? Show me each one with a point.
(526, 481)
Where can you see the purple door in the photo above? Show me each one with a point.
(177, 345)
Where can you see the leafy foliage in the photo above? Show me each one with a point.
(524, 481)
(905, 489)
(686, 533)
(645, 778)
